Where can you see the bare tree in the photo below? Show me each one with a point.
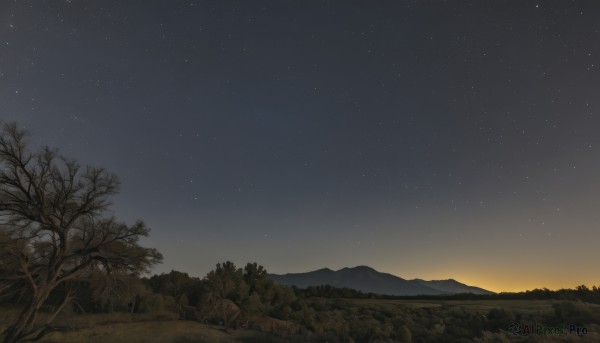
(54, 232)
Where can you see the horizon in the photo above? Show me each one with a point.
(241, 265)
(428, 140)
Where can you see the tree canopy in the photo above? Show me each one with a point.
(54, 231)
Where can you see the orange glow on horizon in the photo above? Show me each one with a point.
(498, 283)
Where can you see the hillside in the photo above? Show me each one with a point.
(369, 280)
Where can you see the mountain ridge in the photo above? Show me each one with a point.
(368, 280)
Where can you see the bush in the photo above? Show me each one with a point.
(157, 303)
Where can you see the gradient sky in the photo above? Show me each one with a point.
(430, 139)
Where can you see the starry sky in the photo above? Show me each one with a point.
(430, 139)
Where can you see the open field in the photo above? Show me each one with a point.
(470, 305)
(139, 328)
(432, 320)
(177, 331)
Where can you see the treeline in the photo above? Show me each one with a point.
(250, 289)
(580, 293)
(247, 290)
(244, 297)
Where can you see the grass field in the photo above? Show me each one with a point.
(178, 331)
(139, 328)
(470, 305)
(165, 327)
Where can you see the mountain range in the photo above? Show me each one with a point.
(369, 280)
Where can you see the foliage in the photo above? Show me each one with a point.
(185, 290)
(54, 234)
(326, 313)
(226, 281)
(297, 315)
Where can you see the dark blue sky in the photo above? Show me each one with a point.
(428, 139)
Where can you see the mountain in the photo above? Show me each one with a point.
(369, 280)
(451, 286)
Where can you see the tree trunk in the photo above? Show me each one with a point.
(110, 306)
(136, 304)
(24, 325)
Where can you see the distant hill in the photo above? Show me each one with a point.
(451, 286)
(368, 280)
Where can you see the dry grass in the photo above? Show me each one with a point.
(138, 328)
(469, 305)
(175, 331)
(7, 315)
(165, 327)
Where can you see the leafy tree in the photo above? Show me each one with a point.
(183, 288)
(256, 278)
(119, 291)
(282, 298)
(51, 218)
(226, 281)
(258, 285)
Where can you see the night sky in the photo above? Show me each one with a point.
(430, 139)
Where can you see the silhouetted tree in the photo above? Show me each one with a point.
(226, 281)
(256, 278)
(51, 216)
(184, 289)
